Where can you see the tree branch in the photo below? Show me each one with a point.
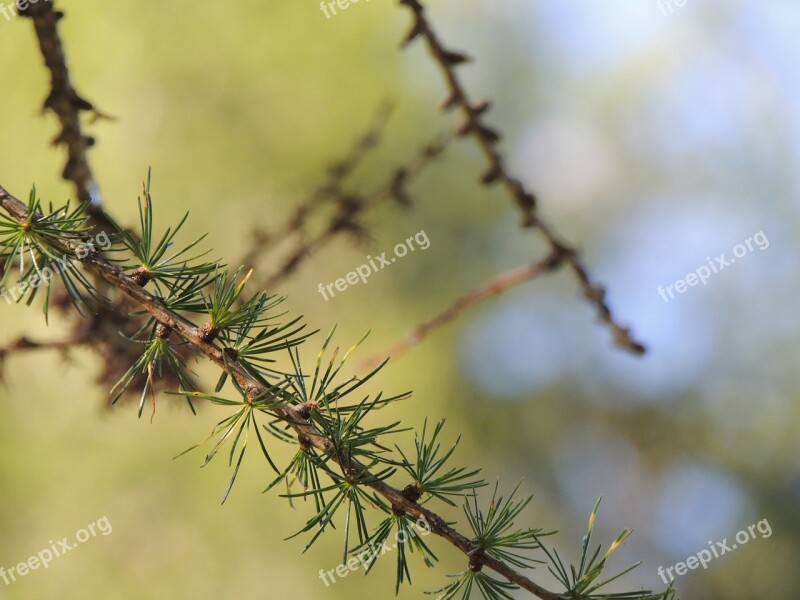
(487, 139)
(292, 415)
(67, 104)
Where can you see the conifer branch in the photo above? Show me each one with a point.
(325, 431)
(237, 334)
(290, 414)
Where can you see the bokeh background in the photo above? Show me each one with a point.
(654, 137)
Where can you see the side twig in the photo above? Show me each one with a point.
(23, 343)
(351, 207)
(497, 173)
(490, 289)
(338, 172)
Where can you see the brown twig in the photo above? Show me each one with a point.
(338, 172)
(497, 173)
(292, 415)
(24, 343)
(67, 104)
(490, 289)
(350, 207)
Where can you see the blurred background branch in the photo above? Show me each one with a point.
(495, 287)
